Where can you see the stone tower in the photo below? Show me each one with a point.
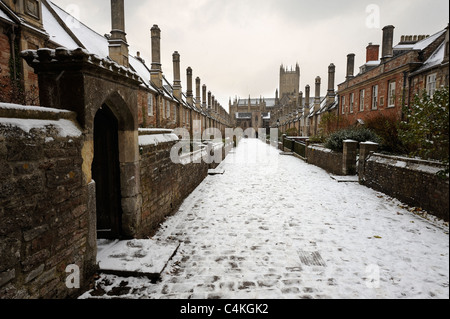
(289, 81)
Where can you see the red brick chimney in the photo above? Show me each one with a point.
(373, 52)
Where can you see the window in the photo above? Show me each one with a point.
(391, 94)
(168, 110)
(163, 108)
(352, 101)
(150, 105)
(431, 84)
(375, 97)
(343, 104)
(175, 111)
(362, 95)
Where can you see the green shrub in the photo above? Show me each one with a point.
(426, 129)
(387, 128)
(336, 140)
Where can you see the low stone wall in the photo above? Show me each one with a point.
(165, 184)
(47, 217)
(411, 181)
(324, 158)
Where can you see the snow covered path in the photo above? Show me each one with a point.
(275, 227)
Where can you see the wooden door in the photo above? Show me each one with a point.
(106, 173)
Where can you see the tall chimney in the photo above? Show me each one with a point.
(300, 102)
(197, 91)
(156, 71)
(204, 94)
(388, 41)
(331, 78)
(176, 75)
(307, 98)
(118, 46)
(373, 52)
(209, 100)
(350, 66)
(189, 92)
(317, 97)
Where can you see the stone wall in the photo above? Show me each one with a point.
(164, 184)
(46, 213)
(324, 158)
(411, 181)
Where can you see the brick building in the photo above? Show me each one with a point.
(386, 84)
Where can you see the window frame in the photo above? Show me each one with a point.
(150, 103)
(362, 100)
(391, 93)
(375, 97)
(431, 91)
(351, 101)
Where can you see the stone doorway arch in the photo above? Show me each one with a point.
(123, 155)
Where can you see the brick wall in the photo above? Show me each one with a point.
(413, 182)
(4, 61)
(44, 212)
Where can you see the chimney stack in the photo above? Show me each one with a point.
(373, 51)
(388, 41)
(209, 100)
(156, 71)
(204, 94)
(350, 66)
(176, 75)
(118, 46)
(308, 98)
(197, 91)
(331, 79)
(189, 92)
(317, 97)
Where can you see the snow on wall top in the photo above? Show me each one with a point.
(65, 128)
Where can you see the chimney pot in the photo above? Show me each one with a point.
(350, 65)
(388, 40)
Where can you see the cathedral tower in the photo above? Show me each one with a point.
(289, 82)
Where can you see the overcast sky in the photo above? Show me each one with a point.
(236, 47)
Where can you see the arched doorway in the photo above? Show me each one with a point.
(106, 174)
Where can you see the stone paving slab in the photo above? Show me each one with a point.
(135, 257)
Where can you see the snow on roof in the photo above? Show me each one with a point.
(93, 42)
(434, 60)
(422, 45)
(56, 31)
(4, 16)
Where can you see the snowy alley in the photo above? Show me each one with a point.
(275, 227)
